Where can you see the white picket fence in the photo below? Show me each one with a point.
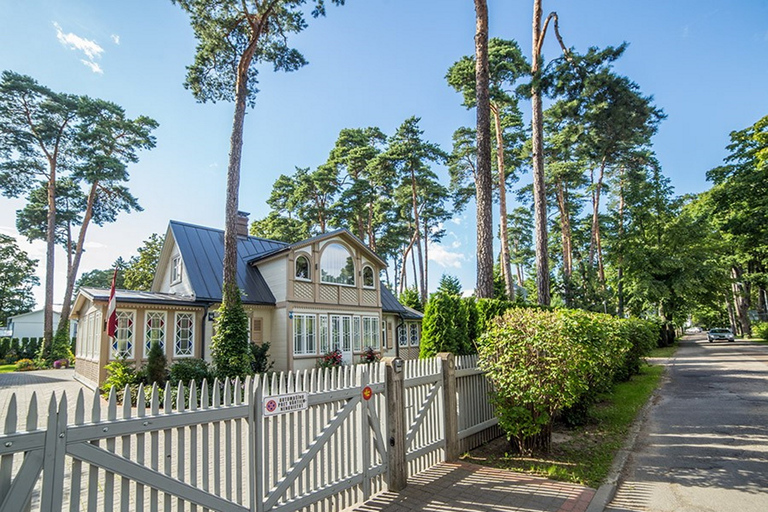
(223, 449)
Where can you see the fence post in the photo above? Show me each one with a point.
(397, 473)
(256, 462)
(450, 406)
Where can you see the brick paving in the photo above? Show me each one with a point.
(464, 487)
(43, 383)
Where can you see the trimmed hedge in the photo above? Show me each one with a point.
(546, 363)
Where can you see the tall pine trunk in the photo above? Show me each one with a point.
(537, 139)
(566, 237)
(50, 239)
(595, 246)
(484, 180)
(503, 230)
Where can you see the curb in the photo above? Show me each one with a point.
(606, 492)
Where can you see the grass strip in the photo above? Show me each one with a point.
(582, 454)
(7, 368)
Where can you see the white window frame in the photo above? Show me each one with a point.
(356, 335)
(163, 330)
(190, 352)
(325, 340)
(128, 352)
(371, 332)
(176, 266)
(304, 334)
(373, 278)
(296, 268)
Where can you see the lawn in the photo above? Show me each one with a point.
(582, 454)
(7, 368)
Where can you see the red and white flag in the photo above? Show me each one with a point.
(112, 310)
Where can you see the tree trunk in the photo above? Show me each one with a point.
(595, 246)
(426, 259)
(620, 259)
(484, 179)
(503, 231)
(741, 301)
(418, 277)
(566, 237)
(229, 278)
(75, 264)
(50, 238)
(537, 139)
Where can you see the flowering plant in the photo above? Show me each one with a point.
(370, 356)
(330, 359)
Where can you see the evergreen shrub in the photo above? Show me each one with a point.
(187, 370)
(157, 366)
(230, 347)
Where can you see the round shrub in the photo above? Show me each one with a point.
(23, 365)
(187, 370)
(760, 330)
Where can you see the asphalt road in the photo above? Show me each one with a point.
(704, 443)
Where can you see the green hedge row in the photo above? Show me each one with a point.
(13, 349)
(545, 363)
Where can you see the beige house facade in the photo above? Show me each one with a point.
(306, 299)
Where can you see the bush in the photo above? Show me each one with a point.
(261, 362)
(187, 370)
(445, 327)
(119, 375)
(23, 365)
(156, 369)
(230, 348)
(331, 359)
(5, 347)
(760, 330)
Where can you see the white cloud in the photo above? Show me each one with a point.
(115, 39)
(456, 244)
(93, 65)
(445, 258)
(91, 49)
(456, 220)
(94, 245)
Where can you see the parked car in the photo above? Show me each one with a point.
(719, 334)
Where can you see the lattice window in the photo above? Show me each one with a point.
(122, 343)
(155, 330)
(402, 335)
(184, 340)
(324, 345)
(414, 335)
(368, 281)
(371, 331)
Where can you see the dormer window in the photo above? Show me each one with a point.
(368, 277)
(302, 268)
(176, 270)
(337, 265)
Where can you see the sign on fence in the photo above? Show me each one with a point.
(281, 404)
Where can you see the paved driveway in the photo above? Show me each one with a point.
(462, 487)
(704, 444)
(42, 383)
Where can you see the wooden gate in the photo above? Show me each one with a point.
(337, 454)
(424, 415)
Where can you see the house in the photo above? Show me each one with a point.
(304, 299)
(30, 325)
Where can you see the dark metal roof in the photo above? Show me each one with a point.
(389, 304)
(128, 296)
(202, 250)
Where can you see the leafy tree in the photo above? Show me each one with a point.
(233, 37)
(276, 227)
(410, 297)
(101, 278)
(140, 270)
(17, 278)
(449, 285)
(37, 133)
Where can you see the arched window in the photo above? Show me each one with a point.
(368, 277)
(302, 268)
(337, 265)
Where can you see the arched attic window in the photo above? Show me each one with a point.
(368, 281)
(302, 268)
(337, 265)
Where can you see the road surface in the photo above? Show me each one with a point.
(704, 444)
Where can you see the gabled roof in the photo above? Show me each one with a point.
(389, 304)
(202, 250)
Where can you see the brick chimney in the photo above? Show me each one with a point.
(242, 223)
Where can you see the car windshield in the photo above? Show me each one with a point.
(720, 331)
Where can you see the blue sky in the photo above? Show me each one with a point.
(371, 63)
